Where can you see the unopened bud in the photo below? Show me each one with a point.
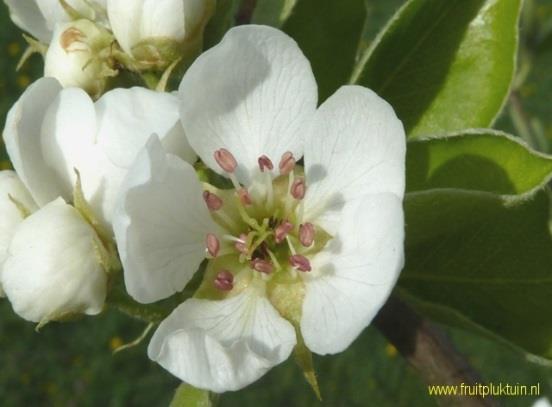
(300, 262)
(78, 56)
(262, 266)
(287, 163)
(213, 245)
(282, 231)
(213, 201)
(306, 234)
(298, 189)
(265, 163)
(225, 159)
(224, 280)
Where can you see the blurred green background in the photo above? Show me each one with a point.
(71, 364)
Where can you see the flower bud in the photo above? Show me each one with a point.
(78, 56)
(158, 32)
(53, 269)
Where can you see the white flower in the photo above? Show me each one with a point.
(317, 254)
(55, 256)
(78, 56)
(39, 17)
(52, 131)
(11, 190)
(158, 29)
(52, 271)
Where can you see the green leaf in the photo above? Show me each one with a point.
(444, 65)
(483, 160)
(188, 396)
(487, 257)
(328, 32)
(273, 12)
(220, 22)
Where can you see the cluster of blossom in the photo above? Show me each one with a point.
(87, 42)
(301, 250)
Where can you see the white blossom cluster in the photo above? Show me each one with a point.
(301, 245)
(86, 42)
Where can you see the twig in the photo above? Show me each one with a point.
(428, 349)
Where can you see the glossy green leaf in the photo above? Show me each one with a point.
(483, 160)
(273, 12)
(487, 257)
(329, 33)
(188, 396)
(444, 65)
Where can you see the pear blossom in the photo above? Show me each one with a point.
(39, 17)
(71, 155)
(78, 56)
(295, 254)
(157, 32)
(52, 270)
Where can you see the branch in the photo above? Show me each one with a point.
(429, 350)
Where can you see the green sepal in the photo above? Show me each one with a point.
(189, 396)
(104, 246)
(303, 357)
(33, 47)
(23, 210)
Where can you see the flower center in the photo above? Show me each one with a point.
(263, 224)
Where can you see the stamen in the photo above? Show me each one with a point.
(262, 266)
(306, 234)
(290, 245)
(265, 163)
(224, 280)
(282, 231)
(298, 189)
(241, 244)
(244, 196)
(225, 160)
(229, 223)
(274, 259)
(213, 201)
(289, 198)
(213, 244)
(300, 262)
(287, 163)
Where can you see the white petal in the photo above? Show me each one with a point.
(353, 276)
(252, 94)
(54, 13)
(160, 224)
(11, 216)
(128, 117)
(356, 147)
(124, 17)
(22, 137)
(68, 140)
(28, 16)
(52, 268)
(223, 345)
(136, 21)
